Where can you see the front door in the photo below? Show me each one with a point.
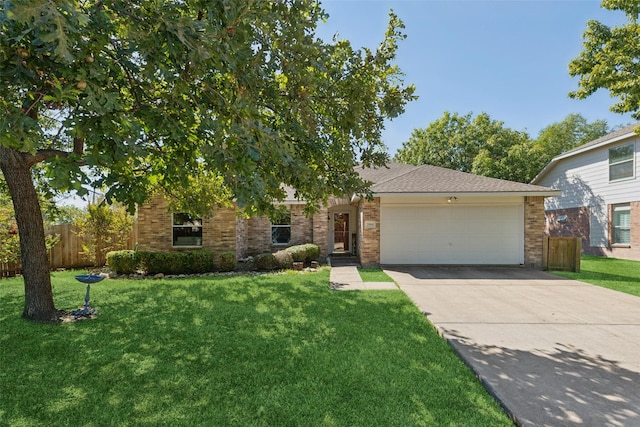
(341, 232)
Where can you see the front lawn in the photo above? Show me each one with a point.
(617, 274)
(374, 275)
(272, 350)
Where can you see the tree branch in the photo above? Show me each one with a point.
(42, 155)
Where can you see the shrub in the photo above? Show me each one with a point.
(304, 253)
(313, 252)
(266, 261)
(283, 259)
(227, 261)
(298, 253)
(200, 261)
(122, 262)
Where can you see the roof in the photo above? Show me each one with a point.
(401, 179)
(610, 138)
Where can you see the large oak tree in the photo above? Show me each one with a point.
(133, 95)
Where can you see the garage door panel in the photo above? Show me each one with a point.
(452, 234)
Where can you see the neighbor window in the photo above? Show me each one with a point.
(281, 227)
(621, 162)
(621, 225)
(187, 230)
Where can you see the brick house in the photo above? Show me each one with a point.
(600, 200)
(418, 215)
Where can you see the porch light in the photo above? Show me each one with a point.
(452, 199)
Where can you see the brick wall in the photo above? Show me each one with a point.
(369, 243)
(533, 230)
(576, 225)
(259, 232)
(631, 251)
(155, 228)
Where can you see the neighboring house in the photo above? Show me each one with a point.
(418, 215)
(600, 199)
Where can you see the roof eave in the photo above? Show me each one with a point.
(580, 150)
(543, 193)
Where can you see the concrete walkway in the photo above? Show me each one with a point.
(554, 352)
(347, 278)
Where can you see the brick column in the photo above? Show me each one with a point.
(533, 231)
(370, 246)
(320, 234)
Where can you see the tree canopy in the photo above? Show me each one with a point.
(135, 95)
(486, 147)
(610, 59)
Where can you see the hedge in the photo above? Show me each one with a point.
(190, 262)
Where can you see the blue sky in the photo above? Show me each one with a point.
(508, 58)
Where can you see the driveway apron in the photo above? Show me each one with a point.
(554, 352)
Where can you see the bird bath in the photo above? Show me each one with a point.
(86, 311)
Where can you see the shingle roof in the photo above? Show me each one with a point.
(610, 136)
(400, 178)
(596, 143)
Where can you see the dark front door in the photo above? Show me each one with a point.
(341, 232)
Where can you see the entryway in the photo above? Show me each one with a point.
(341, 234)
(342, 230)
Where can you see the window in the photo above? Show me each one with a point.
(187, 230)
(621, 225)
(281, 227)
(621, 162)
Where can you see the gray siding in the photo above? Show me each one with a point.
(584, 181)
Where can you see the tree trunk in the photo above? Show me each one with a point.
(35, 263)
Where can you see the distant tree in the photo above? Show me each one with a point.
(610, 59)
(136, 95)
(505, 155)
(566, 135)
(454, 142)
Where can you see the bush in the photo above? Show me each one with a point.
(266, 261)
(190, 262)
(227, 261)
(122, 262)
(198, 261)
(298, 253)
(283, 259)
(313, 252)
(304, 253)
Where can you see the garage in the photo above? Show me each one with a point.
(452, 233)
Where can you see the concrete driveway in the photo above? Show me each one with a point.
(554, 352)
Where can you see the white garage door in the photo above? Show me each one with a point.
(452, 234)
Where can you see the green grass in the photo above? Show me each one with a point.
(272, 350)
(374, 275)
(617, 274)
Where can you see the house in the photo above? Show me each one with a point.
(600, 199)
(418, 215)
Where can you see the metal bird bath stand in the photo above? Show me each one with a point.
(86, 310)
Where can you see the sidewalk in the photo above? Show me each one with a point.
(347, 278)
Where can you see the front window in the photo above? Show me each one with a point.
(621, 162)
(281, 227)
(621, 225)
(187, 230)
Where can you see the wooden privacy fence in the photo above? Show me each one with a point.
(561, 253)
(67, 253)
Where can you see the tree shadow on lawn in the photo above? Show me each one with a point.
(567, 387)
(260, 351)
